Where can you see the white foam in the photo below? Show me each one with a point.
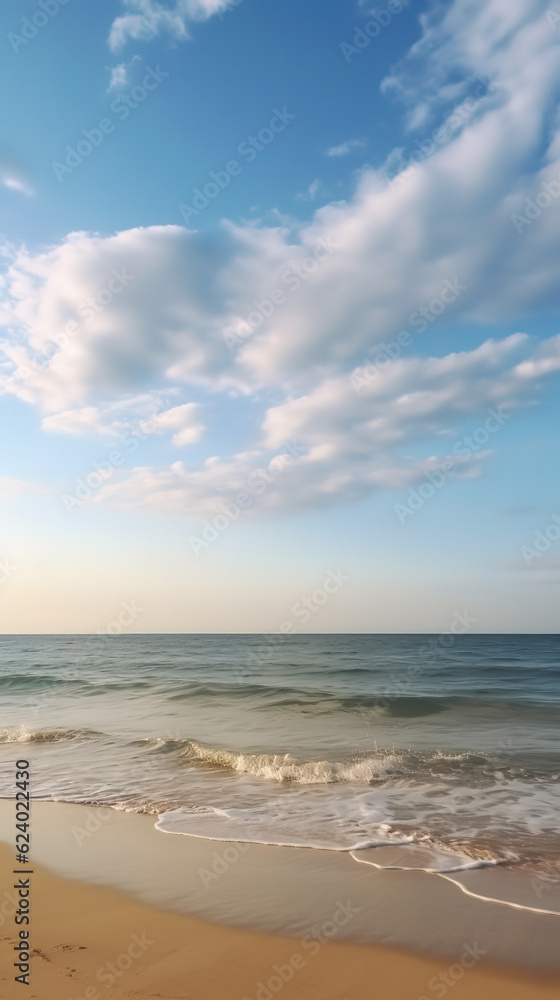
(223, 825)
(499, 902)
(284, 767)
(384, 851)
(422, 857)
(449, 866)
(24, 735)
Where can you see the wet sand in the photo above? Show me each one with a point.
(91, 941)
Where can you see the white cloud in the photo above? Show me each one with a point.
(15, 174)
(145, 19)
(121, 75)
(16, 184)
(346, 147)
(146, 414)
(413, 398)
(308, 483)
(184, 420)
(313, 191)
(395, 246)
(302, 325)
(168, 310)
(347, 445)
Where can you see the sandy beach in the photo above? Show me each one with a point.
(89, 942)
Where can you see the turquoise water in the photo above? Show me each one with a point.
(337, 742)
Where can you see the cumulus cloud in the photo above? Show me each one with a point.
(184, 421)
(146, 414)
(394, 244)
(340, 444)
(145, 19)
(291, 310)
(469, 40)
(274, 485)
(100, 317)
(414, 397)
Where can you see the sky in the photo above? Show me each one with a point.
(279, 302)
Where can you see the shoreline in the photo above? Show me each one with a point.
(92, 942)
(285, 894)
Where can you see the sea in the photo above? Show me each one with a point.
(438, 753)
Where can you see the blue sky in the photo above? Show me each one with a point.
(210, 403)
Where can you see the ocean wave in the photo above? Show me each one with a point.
(24, 735)
(41, 682)
(282, 766)
(35, 680)
(443, 830)
(385, 700)
(366, 768)
(382, 846)
(381, 766)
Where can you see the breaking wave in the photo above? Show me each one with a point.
(24, 735)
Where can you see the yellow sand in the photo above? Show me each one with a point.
(94, 943)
